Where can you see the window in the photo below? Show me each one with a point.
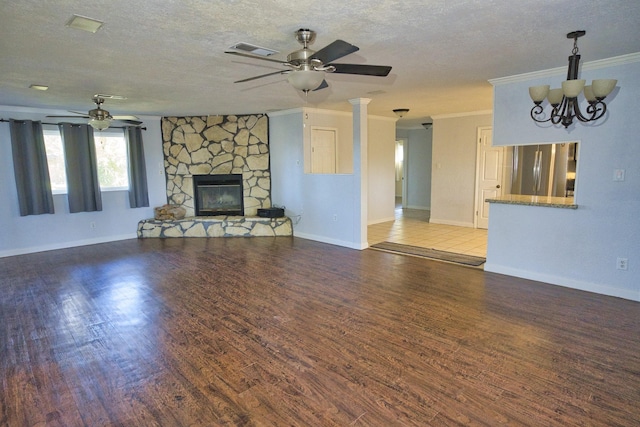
(55, 160)
(111, 154)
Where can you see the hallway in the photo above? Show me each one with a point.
(412, 227)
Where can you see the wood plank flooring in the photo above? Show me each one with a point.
(290, 332)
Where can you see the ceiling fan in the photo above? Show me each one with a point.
(307, 67)
(100, 119)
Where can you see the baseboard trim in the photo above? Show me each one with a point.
(323, 239)
(378, 221)
(447, 222)
(563, 281)
(65, 245)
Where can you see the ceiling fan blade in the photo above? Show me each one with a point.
(262, 75)
(131, 122)
(323, 85)
(130, 118)
(365, 70)
(335, 50)
(72, 117)
(257, 57)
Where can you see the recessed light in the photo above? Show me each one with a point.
(83, 23)
(39, 87)
(253, 49)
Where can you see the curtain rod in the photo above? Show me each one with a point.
(110, 127)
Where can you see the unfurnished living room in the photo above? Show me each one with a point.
(331, 213)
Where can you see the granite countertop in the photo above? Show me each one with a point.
(547, 201)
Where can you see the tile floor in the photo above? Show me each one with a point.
(412, 227)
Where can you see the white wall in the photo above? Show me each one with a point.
(381, 170)
(575, 248)
(53, 231)
(454, 167)
(314, 200)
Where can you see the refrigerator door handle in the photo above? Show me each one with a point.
(537, 164)
(539, 172)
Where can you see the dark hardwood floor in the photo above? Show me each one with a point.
(290, 332)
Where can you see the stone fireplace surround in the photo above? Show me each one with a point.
(204, 145)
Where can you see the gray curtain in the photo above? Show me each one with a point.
(138, 192)
(83, 188)
(30, 168)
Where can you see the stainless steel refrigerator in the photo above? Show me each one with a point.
(544, 169)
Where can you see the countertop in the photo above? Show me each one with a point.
(550, 202)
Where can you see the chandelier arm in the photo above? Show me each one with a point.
(558, 113)
(537, 110)
(595, 110)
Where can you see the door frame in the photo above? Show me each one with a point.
(335, 147)
(405, 164)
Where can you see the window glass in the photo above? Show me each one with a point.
(111, 155)
(55, 160)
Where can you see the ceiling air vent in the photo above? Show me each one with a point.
(253, 49)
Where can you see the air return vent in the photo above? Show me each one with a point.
(253, 49)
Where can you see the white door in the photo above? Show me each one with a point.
(323, 150)
(488, 175)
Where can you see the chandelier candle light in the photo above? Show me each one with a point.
(564, 102)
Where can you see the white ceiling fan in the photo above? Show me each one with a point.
(100, 119)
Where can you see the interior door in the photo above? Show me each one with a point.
(488, 173)
(323, 150)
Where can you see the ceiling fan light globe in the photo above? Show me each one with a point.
(306, 80)
(100, 124)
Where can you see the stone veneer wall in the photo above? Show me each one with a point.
(203, 145)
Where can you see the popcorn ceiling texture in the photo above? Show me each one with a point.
(205, 145)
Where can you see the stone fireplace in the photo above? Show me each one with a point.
(198, 153)
(218, 195)
(217, 145)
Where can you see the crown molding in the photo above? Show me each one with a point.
(469, 113)
(553, 72)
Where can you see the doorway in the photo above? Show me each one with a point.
(489, 165)
(401, 173)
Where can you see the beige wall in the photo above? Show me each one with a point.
(454, 167)
(381, 169)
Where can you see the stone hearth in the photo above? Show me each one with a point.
(219, 226)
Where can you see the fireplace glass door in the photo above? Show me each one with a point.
(218, 195)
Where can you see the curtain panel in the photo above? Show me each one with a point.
(138, 191)
(30, 168)
(83, 187)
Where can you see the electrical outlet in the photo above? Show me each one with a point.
(622, 263)
(335, 217)
(92, 225)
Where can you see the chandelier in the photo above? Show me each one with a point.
(564, 102)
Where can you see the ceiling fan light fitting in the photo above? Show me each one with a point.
(306, 80)
(98, 124)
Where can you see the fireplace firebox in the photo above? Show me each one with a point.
(218, 195)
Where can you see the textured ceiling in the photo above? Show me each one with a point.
(167, 57)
